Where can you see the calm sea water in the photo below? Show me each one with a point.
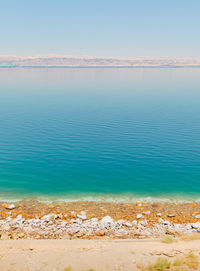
(88, 132)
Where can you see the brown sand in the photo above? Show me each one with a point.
(82, 255)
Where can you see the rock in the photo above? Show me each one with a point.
(106, 221)
(82, 216)
(47, 218)
(138, 203)
(146, 212)
(134, 222)
(144, 222)
(122, 232)
(73, 231)
(164, 222)
(171, 215)
(72, 215)
(19, 217)
(9, 206)
(94, 220)
(120, 222)
(195, 225)
(139, 216)
(58, 216)
(128, 224)
(170, 232)
(188, 226)
(101, 233)
(20, 235)
(80, 234)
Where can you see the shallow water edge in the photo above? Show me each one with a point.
(117, 198)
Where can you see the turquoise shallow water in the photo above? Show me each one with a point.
(108, 132)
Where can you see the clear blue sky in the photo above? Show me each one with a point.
(100, 27)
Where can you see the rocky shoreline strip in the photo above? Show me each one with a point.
(31, 219)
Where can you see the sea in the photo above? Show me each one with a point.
(100, 133)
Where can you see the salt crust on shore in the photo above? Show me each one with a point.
(97, 220)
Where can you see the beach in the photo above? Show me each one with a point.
(96, 235)
(84, 255)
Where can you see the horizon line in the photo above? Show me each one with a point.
(94, 61)
(96, 56)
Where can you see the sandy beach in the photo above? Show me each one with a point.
(84, 235)
(80, 255)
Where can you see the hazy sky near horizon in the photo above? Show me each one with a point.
(100, 28)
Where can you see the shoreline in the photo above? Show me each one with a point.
(97, 220)
(103, 197)
(105, 67)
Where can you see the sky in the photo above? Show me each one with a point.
(118, 28)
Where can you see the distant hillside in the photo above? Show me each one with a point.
(87, 61)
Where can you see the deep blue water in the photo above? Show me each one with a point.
(85, 132)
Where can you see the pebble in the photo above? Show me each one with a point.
(19, 217)
(101, 233)
(146, 212)
(138, 203)
(195, 225)
(134, 222)
(120, 222)
(139, 216)
(47, 218)
(9, 206)
(171, 215)
(106, 221)
(188, 226)
(82, 216)
(158, 214)
(128, 224)
(164, 222)
(144, 222)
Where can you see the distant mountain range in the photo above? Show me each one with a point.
(90, 61)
